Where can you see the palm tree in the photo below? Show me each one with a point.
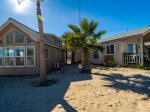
(43, 76)
(84, 38)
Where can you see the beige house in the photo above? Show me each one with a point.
(19, 50)
(131, 48)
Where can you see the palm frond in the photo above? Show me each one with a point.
(96, 47)
(83, 36)
(74, 28)
(99, 34)
(92, 27)
(84, 24)
(72, 40)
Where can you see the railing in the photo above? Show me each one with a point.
(132, 59)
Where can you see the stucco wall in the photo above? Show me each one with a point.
(120, 48)
(117, 51)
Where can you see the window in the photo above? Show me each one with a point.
(9, 56)
(1, 56)
(29, 40)
(19, 55)
(8, 39)
(30, 56)
(19, 38)
(46, 53)
(95, 54)
(110, 49)
(132, 48)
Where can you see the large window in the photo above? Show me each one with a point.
(19, 37)
(110, 49)
(1, 56)
(30, 56)
(9, 56)
(20, 56)
(132, 48)
(8, 39)
(15, 53)
(95, 54)
(29, 40)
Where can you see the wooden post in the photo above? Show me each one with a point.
(122, 51)
(142, 50)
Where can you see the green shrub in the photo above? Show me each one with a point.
(145, 67)
(140, 67)
(125, 65)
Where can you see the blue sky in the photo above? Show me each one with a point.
(114, 16)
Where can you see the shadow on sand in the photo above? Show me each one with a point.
(137, 83)
(17, 94)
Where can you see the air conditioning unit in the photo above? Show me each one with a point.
(57, 65)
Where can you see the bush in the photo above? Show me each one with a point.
(140, 66)
(125, 65)
(109, 61)
(145, 67)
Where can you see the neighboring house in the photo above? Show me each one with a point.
(95, 56)
(131, 48)
(19, 50)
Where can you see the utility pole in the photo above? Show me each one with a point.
(79, 4)
(127, 30)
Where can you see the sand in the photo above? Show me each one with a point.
(105, 90)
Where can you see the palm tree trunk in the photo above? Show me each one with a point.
(86, 61)
(43, 77)
(73, 57)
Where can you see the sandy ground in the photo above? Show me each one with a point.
(105, 90)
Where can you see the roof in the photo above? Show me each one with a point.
(32, 33)
(143, 32)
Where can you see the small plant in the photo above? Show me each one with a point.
(125, 65)
(144, 67)
(140, 66)
(111, 63)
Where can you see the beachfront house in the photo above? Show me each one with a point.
(128, 48)
(19, 50)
